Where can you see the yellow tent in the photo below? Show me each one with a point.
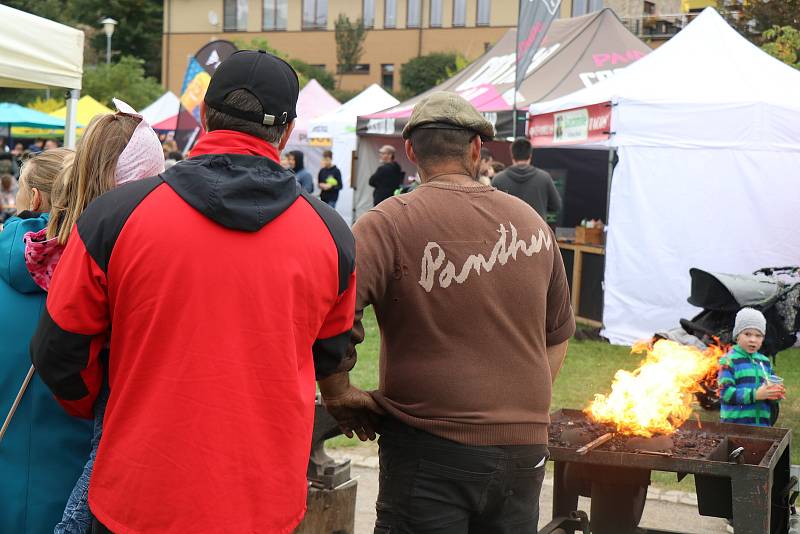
(88, 107)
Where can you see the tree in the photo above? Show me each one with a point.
(125, 80)
(137, 34)
(424, 72)
(783, 43)
(752, 18)
(350, 38)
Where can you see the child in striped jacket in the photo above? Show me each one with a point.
(745, 389)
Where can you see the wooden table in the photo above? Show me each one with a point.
(585, 266)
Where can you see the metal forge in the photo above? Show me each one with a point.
(741, 473)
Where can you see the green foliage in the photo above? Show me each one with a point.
(137, 34)
(424, 72)
(343, 95)
(350, 38)
(783, 43)
(125, 80)
(753, 18)
(305, 72)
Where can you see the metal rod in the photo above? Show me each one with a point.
(595, 443)
(654, 453)
(16, 402)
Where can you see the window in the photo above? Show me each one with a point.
(361, 68)
(390, 13)
(235, 16)
(583, 7)
(436, 13)
(484, 12)
(649, 8)
(459, 12)
(414, 13)
(275, 14)
(315, 14)
(368, 14)
(387, 76)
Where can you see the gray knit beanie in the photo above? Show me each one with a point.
(749, 318)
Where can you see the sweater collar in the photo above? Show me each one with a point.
(232, 142)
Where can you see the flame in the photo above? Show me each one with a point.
(656, 398)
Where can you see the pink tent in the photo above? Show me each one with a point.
(312, 102)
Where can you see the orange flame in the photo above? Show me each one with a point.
(656, 398)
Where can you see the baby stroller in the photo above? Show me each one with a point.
(775, 291)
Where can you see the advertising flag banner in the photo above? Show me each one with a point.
(535, 17)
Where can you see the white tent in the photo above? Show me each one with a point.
(38, 53)
(707, 130)
(337, 130)
(165, 107)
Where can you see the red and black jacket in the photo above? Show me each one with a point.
(223, 291)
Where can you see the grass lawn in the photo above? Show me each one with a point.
(588, 369)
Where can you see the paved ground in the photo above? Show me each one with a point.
(659, 511)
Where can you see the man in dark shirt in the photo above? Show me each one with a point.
(388, 178)
(329, 179)
(526, 182)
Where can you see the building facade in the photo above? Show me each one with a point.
(398, 30)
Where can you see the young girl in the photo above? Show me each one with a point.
(296, 162)
(44, 449)
(115, 149)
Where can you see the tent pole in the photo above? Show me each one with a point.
(612, 152)
(71, 118)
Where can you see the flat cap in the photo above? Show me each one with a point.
(448, 111)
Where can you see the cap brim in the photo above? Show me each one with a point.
(445, 126)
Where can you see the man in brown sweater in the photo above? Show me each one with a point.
(471, 297)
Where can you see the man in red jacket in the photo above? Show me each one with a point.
(223, 291)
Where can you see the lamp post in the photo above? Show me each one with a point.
(108, 28)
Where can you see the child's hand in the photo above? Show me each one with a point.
(769, 391)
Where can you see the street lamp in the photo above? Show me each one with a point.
(108, 28)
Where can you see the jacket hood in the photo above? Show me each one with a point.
(13, 270)
(520, 173)
(239, 192)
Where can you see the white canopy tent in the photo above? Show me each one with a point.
(38, 53)
(337, 130)
(164, 108)
(707, 130)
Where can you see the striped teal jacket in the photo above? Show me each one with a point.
(740, 374)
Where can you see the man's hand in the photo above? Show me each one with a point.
(354, 409)
(769, 391)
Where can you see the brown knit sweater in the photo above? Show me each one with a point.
(469, 289)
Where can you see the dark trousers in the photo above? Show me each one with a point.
(433, 485)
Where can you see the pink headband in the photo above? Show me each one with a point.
(143, 156)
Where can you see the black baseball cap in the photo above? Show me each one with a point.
(269, 78)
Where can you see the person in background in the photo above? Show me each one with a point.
(486, 172)
(50, 144)
(285, 161)
(218, 325)
(297, 164)
(37, 146)
(3, 145)
(44, 449)
(172, 159)
(329, 180)
(17, 153)
(387, 178)
(524, 181)
(497, 166)
(8, 194)
(748, 390)
(169, 146)
(466, 408)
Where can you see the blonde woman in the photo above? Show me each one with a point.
(43, 449)
(116, 149)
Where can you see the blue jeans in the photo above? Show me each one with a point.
(77, 518)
